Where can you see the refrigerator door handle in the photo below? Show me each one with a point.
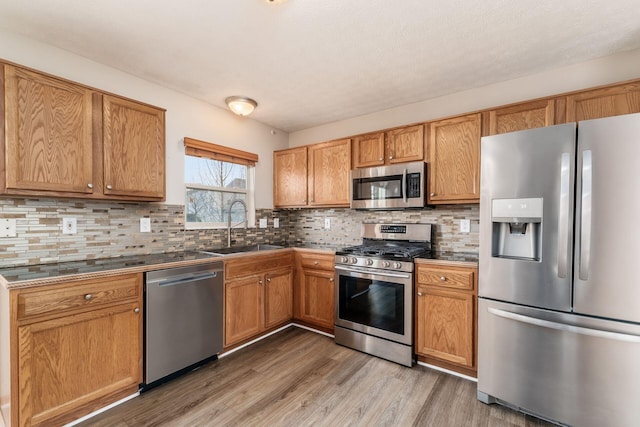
(585, 220)
(564, 327)
(563, 217)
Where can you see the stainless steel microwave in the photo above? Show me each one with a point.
(389, 187)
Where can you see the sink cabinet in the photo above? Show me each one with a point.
(446, 301)
(75, 347)
(314, 290)
(62, 139)
(258, 295)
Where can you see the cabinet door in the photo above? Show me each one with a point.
(243, 309)
(368, 150)
(290, 177)
(329, 173)
(48, 133)
(444, 325)
(604, 102)
(133, 138)
(278, 302)
(454, 151)
(66, 364)
(316, 298)
(522, 116)
(405, 144)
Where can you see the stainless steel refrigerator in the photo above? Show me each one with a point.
(559, 272)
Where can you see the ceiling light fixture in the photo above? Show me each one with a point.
(241, 105)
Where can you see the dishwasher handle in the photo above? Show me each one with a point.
(180, 280)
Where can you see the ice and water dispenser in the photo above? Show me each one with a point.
(517, 228)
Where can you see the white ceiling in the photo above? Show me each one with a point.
(311, 62)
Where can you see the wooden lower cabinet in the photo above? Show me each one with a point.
(258, 295)
(70, 362)
(446, 301)
(314, 292)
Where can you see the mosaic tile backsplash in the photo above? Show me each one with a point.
(106, 229)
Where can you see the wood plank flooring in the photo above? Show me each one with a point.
(300, 378)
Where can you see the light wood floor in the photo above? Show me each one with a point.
(300, 378)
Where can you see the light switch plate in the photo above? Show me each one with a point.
(276, 222)
(145, 225)
(327, 223)
(465, 225)
(69, 226)
(8, 227)
(263, 222)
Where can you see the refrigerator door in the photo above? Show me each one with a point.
(527, 186)
(607, 241)
(571, 369)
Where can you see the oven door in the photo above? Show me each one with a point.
(375, 302)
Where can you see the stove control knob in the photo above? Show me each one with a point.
(369, 262)
(344, 259)
(397, 265)
(353, 260)
(386, 264)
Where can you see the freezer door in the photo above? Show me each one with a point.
(607, 238)
(572, 369)
(524, 174)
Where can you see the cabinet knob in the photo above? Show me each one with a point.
(432, 194)
(419, 294)
(136, 310)
(89, 185)
(390, 157)
(88, 297)
(315, 262)
(109, 187)
(331, 279)
(443, 279)
(269, 279)
(381, 159)
(260, 282)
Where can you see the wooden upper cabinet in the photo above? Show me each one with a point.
(133, 147)
(405, 144)
(528, 115)
(368, 150)
(48, 126)
(454, 160)
(604, 102)
(329, 171)
(290, 177)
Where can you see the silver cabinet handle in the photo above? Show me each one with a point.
(89, 185)
(269, 279)
(109, 187)
(432, 194)
(260, 282)
(331, 279)
(390, 157)
(381, 159)
(443, 279)
(88, 297)
(585, 223)
(419, 294)
(136, 310)
(315, 262)
(563, 217)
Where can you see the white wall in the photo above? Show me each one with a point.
(185, 116)
(611, 69)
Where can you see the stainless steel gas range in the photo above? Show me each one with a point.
(374, 292)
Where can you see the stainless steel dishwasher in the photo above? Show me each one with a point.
(183, 320)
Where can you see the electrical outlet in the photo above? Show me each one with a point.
(69, 226)
(8, 227)
(465, 225)
(145, 225)
(276, 222)
(263, 222)
(327, 223)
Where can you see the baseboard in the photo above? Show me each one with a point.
(447, 371)
(101, 410)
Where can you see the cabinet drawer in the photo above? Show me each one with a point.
(86, 293)
(446, 277)
(251, 264)
(317, 261)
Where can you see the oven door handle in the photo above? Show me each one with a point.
(371, 274)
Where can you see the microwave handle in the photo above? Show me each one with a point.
(404, 185)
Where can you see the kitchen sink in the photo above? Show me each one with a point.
(241, 249)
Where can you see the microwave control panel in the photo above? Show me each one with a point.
(413, 185)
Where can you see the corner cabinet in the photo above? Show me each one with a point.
(400, 145)
(454, 160)
(314, 175)
(258, 295)
(314, 289)
(67, 140)
(446, 301)
(76, 347)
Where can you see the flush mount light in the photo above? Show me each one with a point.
(241, 105)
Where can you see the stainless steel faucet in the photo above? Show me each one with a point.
(229, 219)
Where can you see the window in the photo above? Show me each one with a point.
(215, 177)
